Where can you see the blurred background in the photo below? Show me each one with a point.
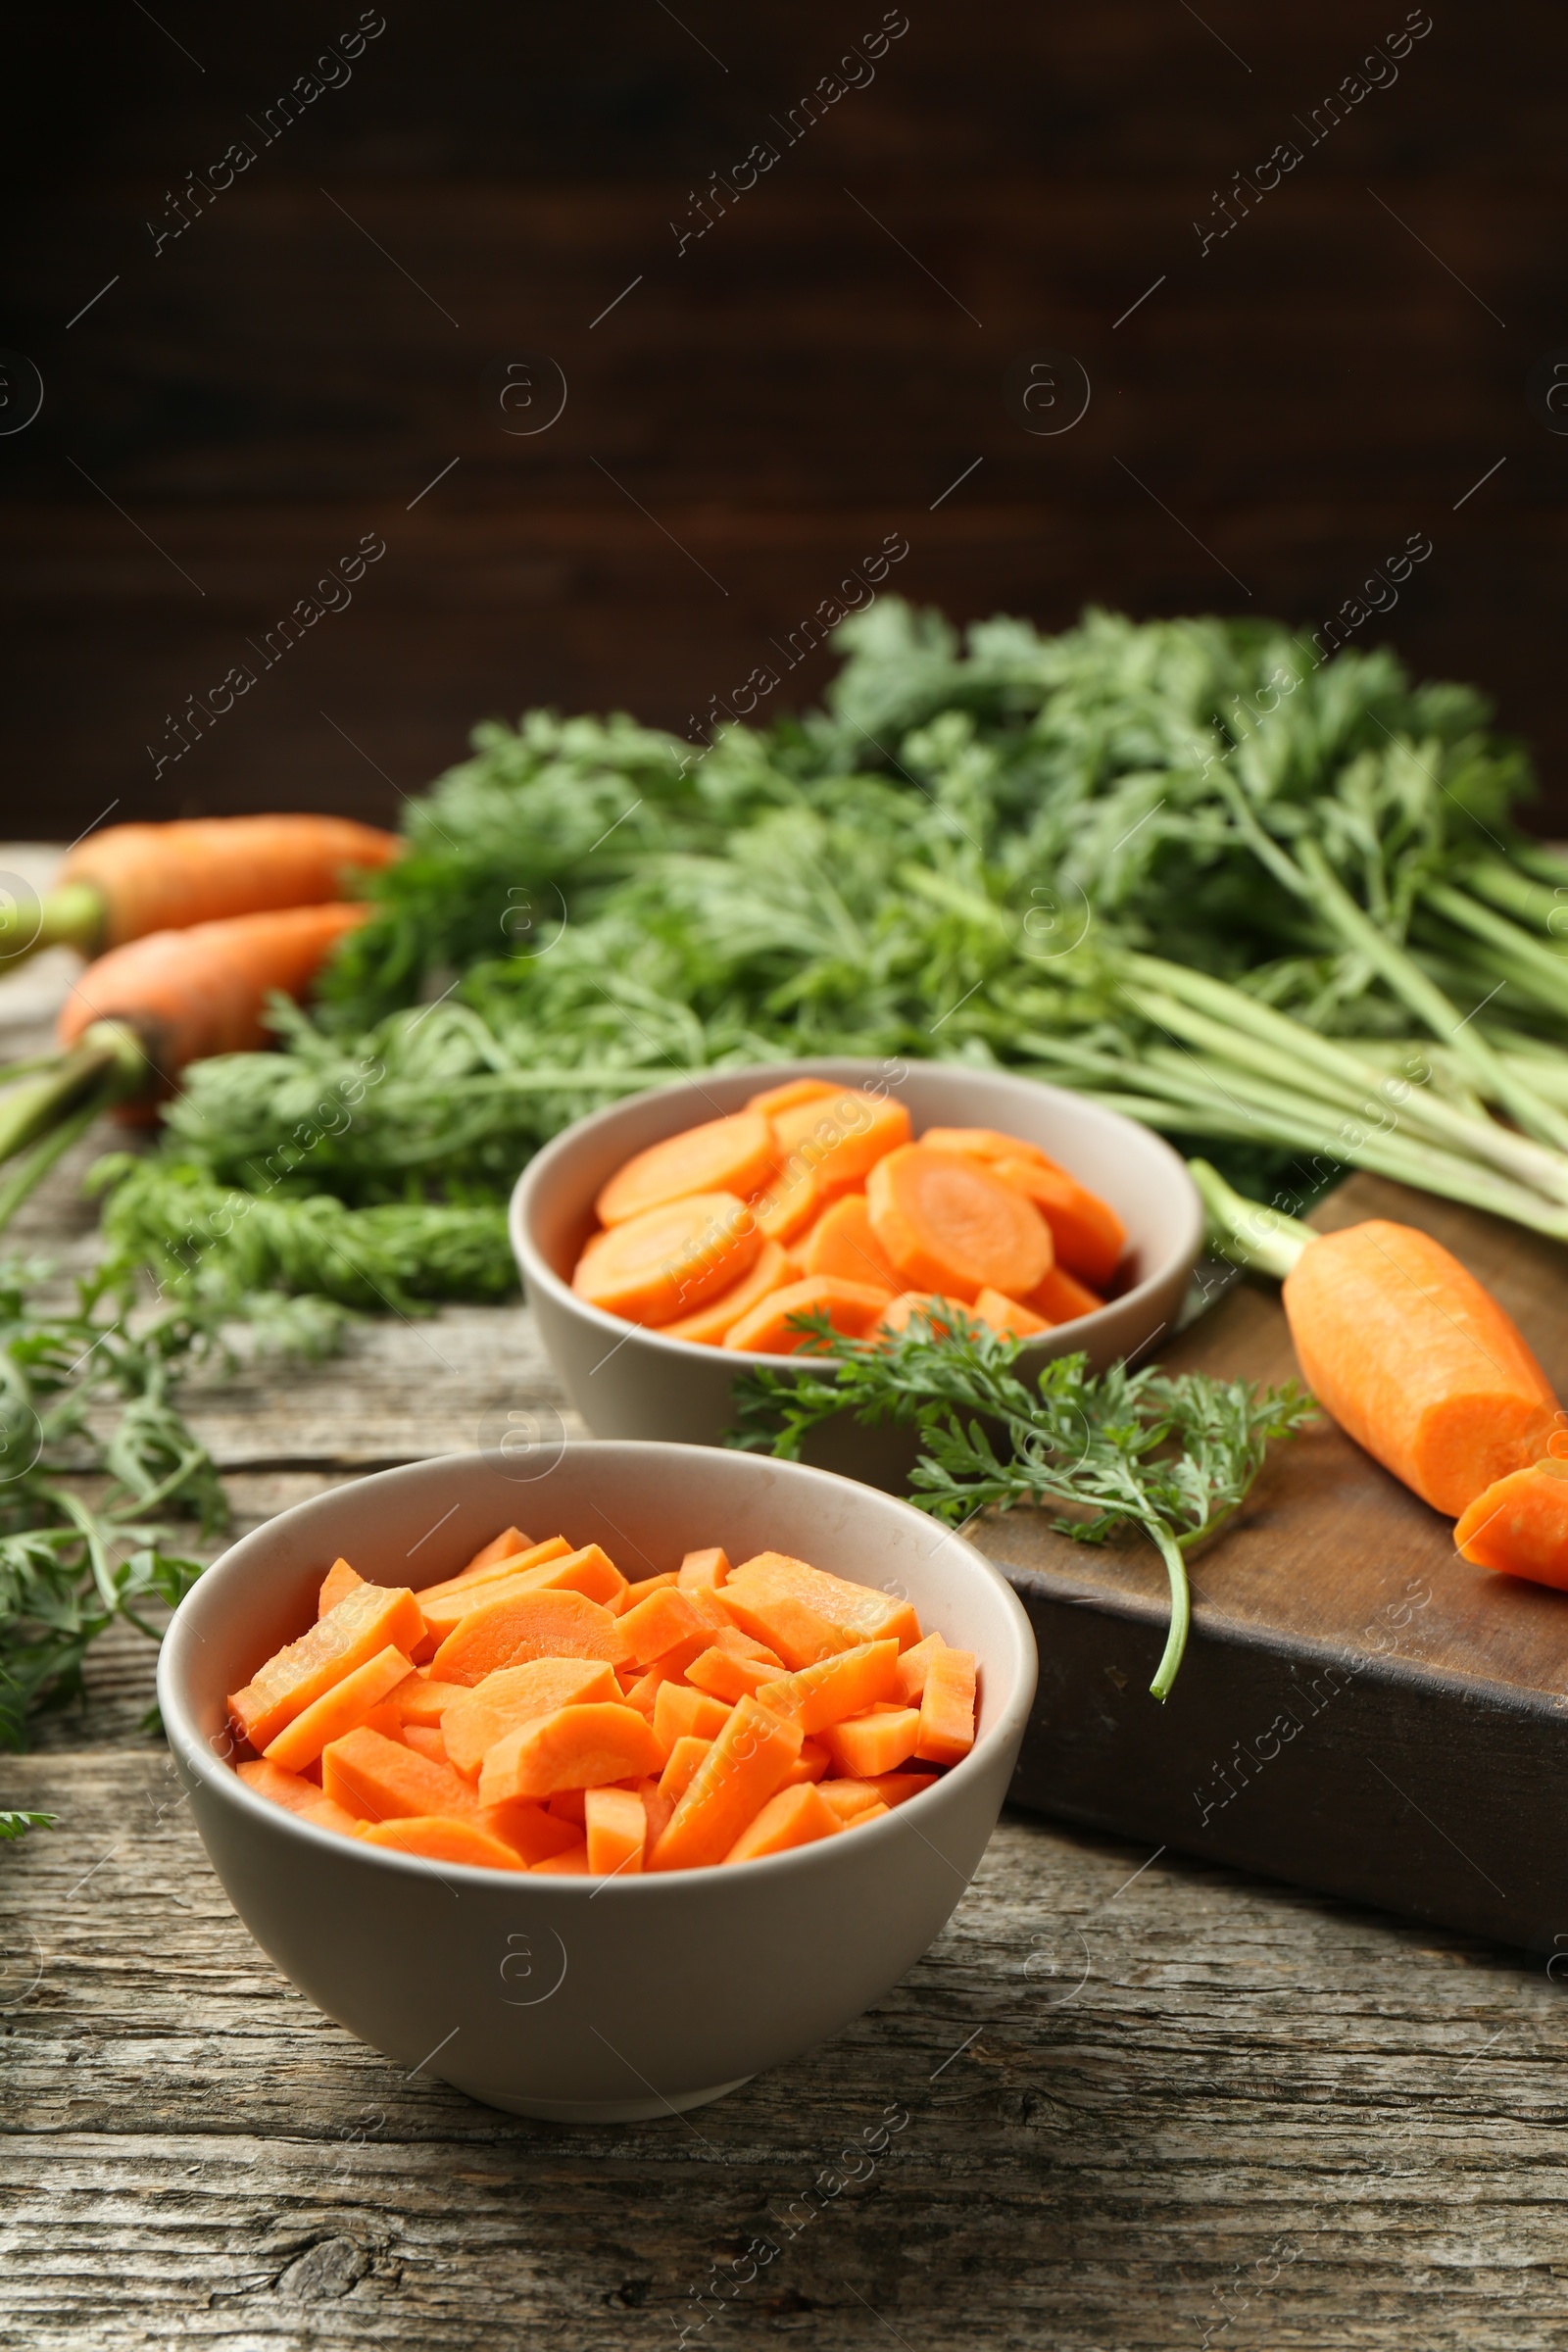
(454, 220)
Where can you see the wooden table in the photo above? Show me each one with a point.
(1148, 2103)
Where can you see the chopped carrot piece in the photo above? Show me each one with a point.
(573, 1864)
(731, 1674)
(504, 1546)
(1519, 1524)
(810, 1764)
(657, 1624)
(914, 1666)
(418, 1699)
(336, 1585)
(1008, 1315)
(568, 1806)
(477, 1718)
(841, 1243)
(789, 1092)
(772, 1267)
(529, 1624)
(374, 1775)
(589, 1572)
(950, 1225)
(742, 1770)
(295, 1794)
(791, 1627)
(425, 1740)
(940, 1312)
(658, 1267)
(533, 1833)
(657, 1809)
(767, 1330)
(734, 1155)
(679, 1711)
(895, 1788)
(840, 1139)
(873, 1743)
(849, 1798)
(867, 1614)
(578, 1746)
(366, 1621)
(846, 1684)
(947, 1710)
(1088, 1236)
(640, 1592)
(644, 1690)
(440, 1838)
(793, 1817)
(618, 1831)
(788, 1204)
(512, 1564)
(684, 1758)
(703, 1570)
(339, 1710)
(867, 1813)
(1062, 1299)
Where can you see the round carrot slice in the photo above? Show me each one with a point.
(896, 1317)
(1089, 1235)
(1008, 1315)
(670, 1260)
(982, 1142)
(839, 1136)
(948, 1225)
(771, 1269)
(841, 1243)
(850, 1306)
(794, 1090)
(723, 1155)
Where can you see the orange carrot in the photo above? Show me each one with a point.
(809, 1765)
(1416, 1361)
(788, 1204)
(948, 1225)
(982, 1142)
(684, 1758)
(167, 877)
(1519, 1525)
(440, 1838)
(872, 1743)
(338, 1581)
(366, 1621)
(527, 1625)
(876, 1811)
(295, 1794)
(840, 1138)
(1008, 1315)
(730, 1672)
(850, 1306)
(533, 1833)
(1061, 1298)
(483, 1583)
(573, 1864)
(418, 1699)
(745, 1766)
(841, 1243)
(790, 1627)
(945, 1727)
(380, 1779)
(846, 1684)
(579, 1746)
(866, 1615)
(793, 1091)
(665, 1264)
(478, 1717)
(423, 1740)
(698, 1569)
(640, 1591)
(894, 1788)
(587, 1571)
(1088, 1233)
(913, 1667)
(568, 1806)
(337, 1710)
(506, 1547)
(732, 1155)
(794, 1817)
(771, 1269)
(657, 1624)
(930, 1304)
(618, 1830)
(680, 1712)
(849, 1798)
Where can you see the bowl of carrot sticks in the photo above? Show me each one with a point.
(597, 1818)
(682, 1237)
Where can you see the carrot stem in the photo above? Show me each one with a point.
(72, 916)
(23, 1180)
(1181, 1607)
(1245, 1231)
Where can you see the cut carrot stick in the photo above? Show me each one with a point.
(657, 1623)
(440, 1838)
(897, 1788)
(745, 1766)
(567, 1805)
(424, 1739)
(859, 1610)
(846, 1684)
(527, 1625)
(912, 1668)
(506, 1547)
(384, 1781)
(573, 1864)
(481, 1571)
(734, 1155)
(657, 1810)
(873, 1743)
(477, 1718)
(809, 1765)
(533, 1833)
(791, 1092)
(618, 1830)
(167, 877)
(1088, 1233)
(840, 1138)
(1416, 1361)
(790, 1627)
(640, 1592)
(849, 1798)
(366, 1620)
(417, 1700)
(296, 1795)
(948, 1225)
(1062, 1299)
(729, 1674)
(680, 1712)
(667, 1263)
(339, 1710)
(1008, 1315)
(642, 1691)
(336, 1585)
(794, 1817)
(841, 1243)
(575, 1747)
(703, 1570)
(684, 1758)
(866, 1815)
(771, 1269)
(850, 1306)
(946, 1730)
(1519, 1525)
(588, 1571)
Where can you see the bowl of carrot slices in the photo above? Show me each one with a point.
(686, 1236)
(596, 1819)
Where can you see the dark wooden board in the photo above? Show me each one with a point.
(1360, 1710)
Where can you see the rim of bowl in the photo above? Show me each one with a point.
(536, 1268)
(220, 1775)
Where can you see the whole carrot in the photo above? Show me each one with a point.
(1409, 1353)
(130, 880)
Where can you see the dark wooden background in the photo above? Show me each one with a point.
(234, 412)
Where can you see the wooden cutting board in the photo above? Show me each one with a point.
(1359, 1711)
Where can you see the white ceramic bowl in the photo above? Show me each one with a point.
(631, 1382)
(575, 1999)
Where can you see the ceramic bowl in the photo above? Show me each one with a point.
(575, 2000)
(631, 1382)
